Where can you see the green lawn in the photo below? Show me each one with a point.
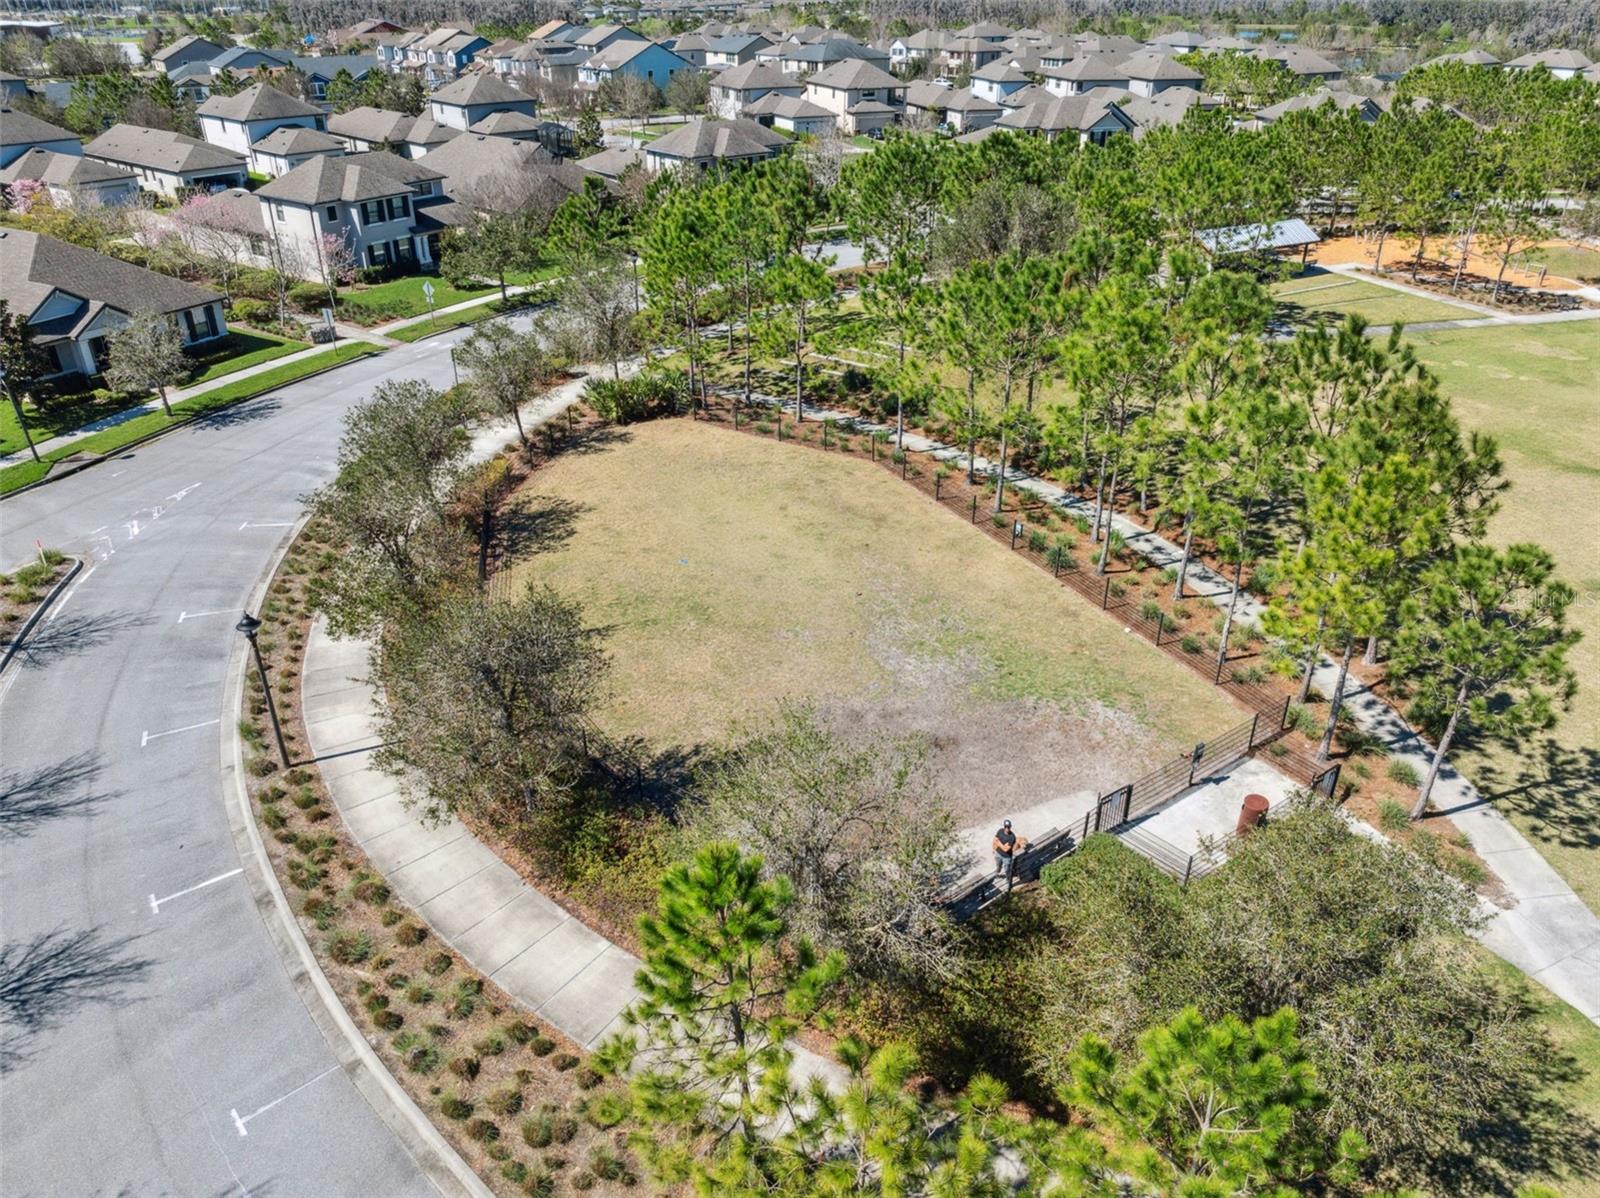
(1571, 262)
(770, 571)
(112, 439)
(1536, 388)
(453, 320)
(64, 413)
(239, 350)
(399, 298)
(1325, 296)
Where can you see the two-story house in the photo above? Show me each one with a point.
(735, 89)
(643, 60)
(1151, 73)
(238, 121)
(734, 50)
(287, 146)
(365, 200)
(186, 51)
(368, 128)
(864, 98)
(462, 104)
(73, 299)
(997, 80)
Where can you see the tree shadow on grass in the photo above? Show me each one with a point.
(1556, 787)
(536, 524)
(31, 798)
(70, 635)
(45, 980)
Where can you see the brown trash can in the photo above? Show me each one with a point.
(1251, 814)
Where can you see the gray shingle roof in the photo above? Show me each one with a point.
(1062, 114)
(1155, 66)
(854, 73)
(183, 43)
(706, 138)
(479, 89)
(161, 150)
(32, 266)
(749, 75)
(792, 108)
(64, 170)
(258, 102)
(296, 139)
(21, 129)
(348, 179)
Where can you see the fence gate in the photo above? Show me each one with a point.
(1327, 781)
(1113, 809)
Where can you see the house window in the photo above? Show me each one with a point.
(398, 207)
(211, 321)
(870, 93)
(333, 214)
(378, 254)
(405, 252)
(194, 329)
(277, 210)
(372, 211)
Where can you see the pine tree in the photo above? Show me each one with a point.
(1483, 645)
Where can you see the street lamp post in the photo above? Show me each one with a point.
(454, 373)
(633, 254)
(249, 625)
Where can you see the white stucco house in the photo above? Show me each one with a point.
(72, 180)
(735, 89)
(471, 98)
(863, 98)
(238, 121)
(168, 163)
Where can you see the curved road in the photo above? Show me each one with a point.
(151, 1041)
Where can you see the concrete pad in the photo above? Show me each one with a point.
(1547, 929)
(368, 820)
(448, 865)
(1034, 823)
(339, 763)
(395, 850)
(513, 929)
(318, 683)
(457, 910)
(538, 974)
(1579, 977)
(1211, 807)
(586, 1005)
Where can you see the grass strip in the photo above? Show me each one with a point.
(111, 439)
(454, 320)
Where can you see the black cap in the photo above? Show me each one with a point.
(1005, 823)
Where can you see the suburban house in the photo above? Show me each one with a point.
(1302, 63)
(1167, 109)
(443, 54)
(597, 39)
(365, 200)
(500, 174)
(320, 70)
(12, 87)
(367, 128)
(1469, 58)
(391, 48)
(1084, 74)
(963, 55)
(73, 299)
(734, 49)
(644, 60)
(1367, 108)
(557, 31)
(1150, 74)
(997, 80)
(737, 87)
(245, 60)
(863, 97)
(237, 122)
(1562, 64)
(611, 165)
(816, 56)
(169, 163)
(286, 147)
(362, 31)
(72, 180)
(186, 51)
(1089, 118)
(987, 31)
(794, 113)
(691, 47)
(1181, 41)
(20, 133)
(924, 43)
(706, 142)
(959, 108)
(471, 98)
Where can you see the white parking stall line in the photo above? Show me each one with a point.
(240, 1120)
(155, 903)
(150, 736)
(195, 615)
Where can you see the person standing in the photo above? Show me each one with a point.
(1007, 844)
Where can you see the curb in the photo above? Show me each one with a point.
(465, 324)
(16, 642)
(439, 1163)
(184, 422)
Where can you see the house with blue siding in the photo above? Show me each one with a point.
(644, 60)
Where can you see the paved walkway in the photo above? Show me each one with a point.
(1547, 931)
(1484, 317)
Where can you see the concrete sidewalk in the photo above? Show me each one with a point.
(1547, 931)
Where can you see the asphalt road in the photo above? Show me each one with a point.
(150, 1039)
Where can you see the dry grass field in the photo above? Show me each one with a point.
(733, 573)
(1537, 390)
